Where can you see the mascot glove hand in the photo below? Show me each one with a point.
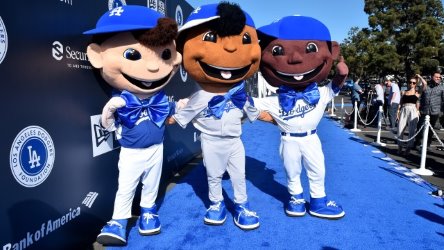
(341, 67)
(110, 108)
(181, 103)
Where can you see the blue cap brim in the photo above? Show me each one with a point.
(116, 28)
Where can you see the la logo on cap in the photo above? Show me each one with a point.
(116, 11)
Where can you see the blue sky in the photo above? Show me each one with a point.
(338, 16)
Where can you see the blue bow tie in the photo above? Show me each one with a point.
(288, 96)
(237, 96)
(156, 106)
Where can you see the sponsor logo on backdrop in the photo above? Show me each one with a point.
(102, 140)
(51, 225)
(152, 4)
(161, 7)
(183, 74)
(115, 3)
(66, 1)
(76, 59)
(32, 156)
(44, 230)
(89, 199)
(179, 16)
(57, 50)
(3, 41)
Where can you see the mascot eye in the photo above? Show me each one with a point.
(210, 36)
(311, 47)
(277, 51)
(246, 39)
(166, 54)
(132, 54)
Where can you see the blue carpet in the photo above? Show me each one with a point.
(386, 205)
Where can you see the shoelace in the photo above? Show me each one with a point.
(114, 223)
(149, 216)
(297, 201)
(249, 213)
(214, 207)
(331, 204)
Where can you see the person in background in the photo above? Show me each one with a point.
(432, 98)
(356, 93)
(393, 100)
(408, 114)
(379, 94)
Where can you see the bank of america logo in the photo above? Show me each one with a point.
(90, 198)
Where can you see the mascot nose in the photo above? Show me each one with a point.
(152, 66)
(229, 45)
(294, 58)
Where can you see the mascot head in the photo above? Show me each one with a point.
(220, 46)
(134, 49)
(296, 51)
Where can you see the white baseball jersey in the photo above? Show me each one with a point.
(303, 117)
(229, 124)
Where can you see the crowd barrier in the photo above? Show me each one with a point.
(427, 127)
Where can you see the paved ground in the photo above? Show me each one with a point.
(435, 156)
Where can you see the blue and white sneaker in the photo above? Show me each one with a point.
(149, 222)
(296, 206)
(323, 208)
(216, 214)
(113, 233)
(244, 217)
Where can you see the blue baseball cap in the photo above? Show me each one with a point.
(206, 13)
(297, 28)
(126, 18)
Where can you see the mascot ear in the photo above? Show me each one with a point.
(335, 49)
(94, 55)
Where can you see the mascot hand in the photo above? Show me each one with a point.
(341, 72)
(111, 106)
(341, 67)
(181, 103)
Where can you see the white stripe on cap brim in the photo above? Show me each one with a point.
(196, 22)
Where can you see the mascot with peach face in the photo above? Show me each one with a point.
(134, 49)
(297, 56)
(220, 50)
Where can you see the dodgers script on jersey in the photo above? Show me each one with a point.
(303, 117)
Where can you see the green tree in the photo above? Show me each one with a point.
(413, 27)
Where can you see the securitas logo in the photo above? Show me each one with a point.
(102, 140)
(115, 3)
(3, 40)
(75, 58)
(32, 156)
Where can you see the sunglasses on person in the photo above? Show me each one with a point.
(412, 82)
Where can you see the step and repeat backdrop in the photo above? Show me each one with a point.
(58, 174)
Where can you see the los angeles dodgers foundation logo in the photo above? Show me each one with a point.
(32, 156)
